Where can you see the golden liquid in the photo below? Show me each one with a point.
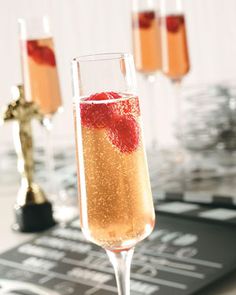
(116, 207)
(174, 50)
(41, 80)
(146, 44)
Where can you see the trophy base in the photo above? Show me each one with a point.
(33, 217)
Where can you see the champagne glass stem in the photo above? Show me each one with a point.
(180, 159)
(150, 93)
(177, 92)
(121, 262)
(49, 156)
(50, 161)
(176, 111)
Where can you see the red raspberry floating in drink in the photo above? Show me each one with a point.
(173, 22)
(124, 133)
(145, 19)
(118, 118)
(41, 54)
(114, 94)
(96, 115)
(101, 96)
(129, 106)
(37, 56)
(48, 56)
(31, 46)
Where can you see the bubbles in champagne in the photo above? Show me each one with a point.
(116, 200)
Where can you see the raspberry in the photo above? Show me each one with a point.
(96, 115)
(126, 107)
(41, 54)
(101, 96)
(145, 19)
(48, 56)
(173, 22)
(131, 107)
(122, 128)
(124, 133)
(114, 94)
(37, 56)
(31, 46)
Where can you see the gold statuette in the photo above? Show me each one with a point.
(33, 211)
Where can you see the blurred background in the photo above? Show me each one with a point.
(83, 27)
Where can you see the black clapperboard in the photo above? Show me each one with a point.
(202, 198)
(191, 247)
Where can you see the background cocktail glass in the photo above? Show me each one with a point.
(175, 57)
(116, 206)
(39, 66)
(147, 54)
(146, 37)
(40, 77)
(175, 64)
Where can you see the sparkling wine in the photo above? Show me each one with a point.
(116, 206)
(174, 46)
(146, 41)
(40, 74)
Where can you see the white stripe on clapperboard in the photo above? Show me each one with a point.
(190, 260)
(77, 280)
(138, 276)
(56, 275)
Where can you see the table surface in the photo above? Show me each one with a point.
(11, 239)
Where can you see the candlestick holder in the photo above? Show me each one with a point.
(33, 211)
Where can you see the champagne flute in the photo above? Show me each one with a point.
(116, 206)
(175, 57)
(40, 76)
(39, 66)
(147, 53)
(146, 37)
(175, 64)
